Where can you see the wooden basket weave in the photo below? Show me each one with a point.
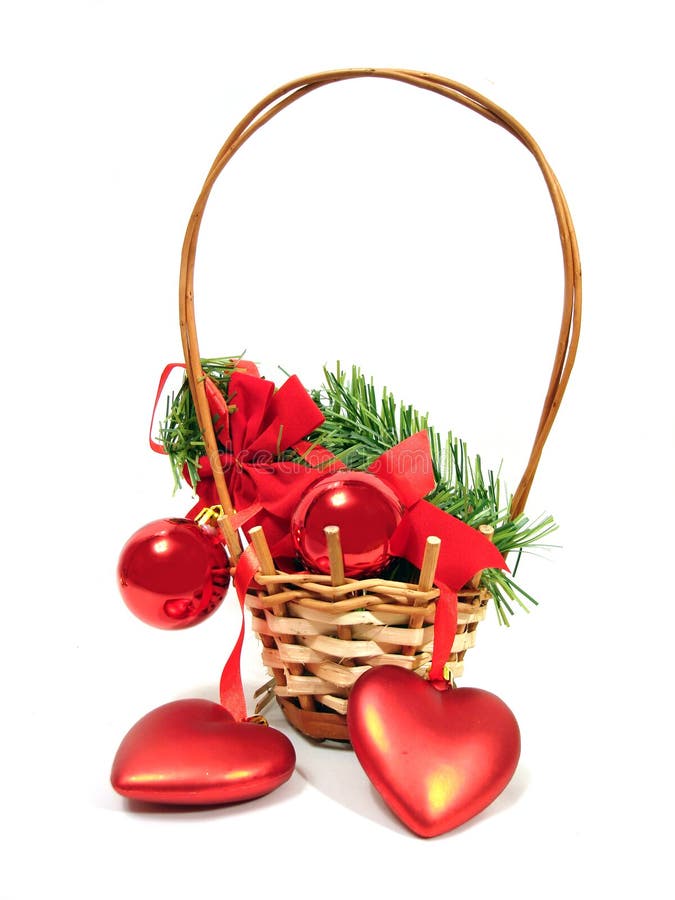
(320, 633)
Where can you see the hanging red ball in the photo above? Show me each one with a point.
(173, 573)
(365, 510)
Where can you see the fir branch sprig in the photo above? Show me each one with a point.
(359, 424)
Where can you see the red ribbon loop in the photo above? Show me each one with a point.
(163, 378)
(242, 365)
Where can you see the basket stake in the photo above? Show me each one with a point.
(337, 574)
(432, 550)
(335, 557)
(267, 567)
(489, 532)
(264, 554)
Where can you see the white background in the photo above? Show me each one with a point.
(379, 225)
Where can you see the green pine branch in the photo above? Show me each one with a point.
(362, 423)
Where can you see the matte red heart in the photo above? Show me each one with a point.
(436, 757)
(193, 752)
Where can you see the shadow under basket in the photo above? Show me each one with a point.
(318, 639)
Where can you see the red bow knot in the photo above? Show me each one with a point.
(267, 422)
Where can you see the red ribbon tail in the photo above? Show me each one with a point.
(231, 687)
(445, 627)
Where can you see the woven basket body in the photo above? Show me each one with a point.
(330, 636)
(320, 634)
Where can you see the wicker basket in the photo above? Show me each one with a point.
(320, 633)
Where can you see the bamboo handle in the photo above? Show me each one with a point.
(231, 538)
(273, 104)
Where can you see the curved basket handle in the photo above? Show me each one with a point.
(268, 108)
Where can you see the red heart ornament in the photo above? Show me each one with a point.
(437, 757)
(193, 752)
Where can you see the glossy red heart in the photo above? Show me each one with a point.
(193, 752)
(436, 757)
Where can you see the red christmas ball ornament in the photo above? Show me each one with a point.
(365, 510)
(173, 573)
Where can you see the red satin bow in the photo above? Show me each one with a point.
(408, 470)
(266, 423)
